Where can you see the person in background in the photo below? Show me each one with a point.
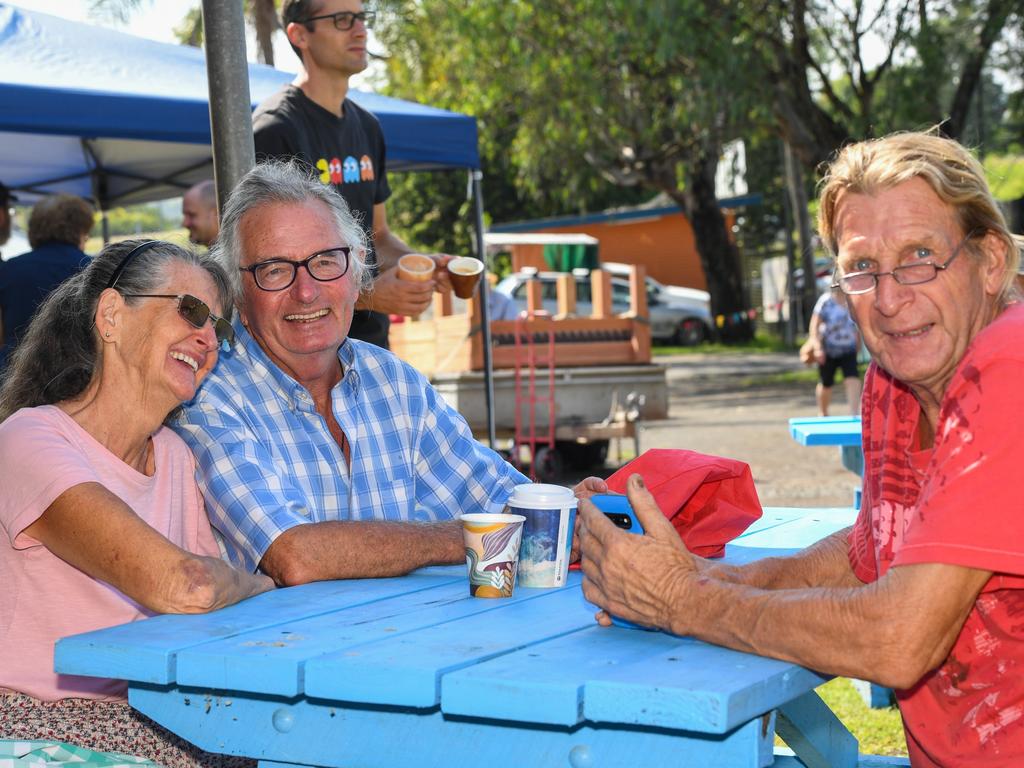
(924, 593)
(57, 230)
(313, 120)
(835, 343)
(102, 521)
(7, 200)
(199, 213)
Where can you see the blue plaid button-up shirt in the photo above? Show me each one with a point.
(267, 462)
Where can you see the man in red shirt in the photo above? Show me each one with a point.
(925, 593)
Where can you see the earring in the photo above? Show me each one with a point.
(106, 334)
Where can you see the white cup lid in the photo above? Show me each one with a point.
(541, 496)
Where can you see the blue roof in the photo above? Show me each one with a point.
(141, 107)
(616, 216)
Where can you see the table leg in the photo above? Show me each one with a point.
(815, 734)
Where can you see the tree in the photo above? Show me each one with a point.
(261, 15)
(586, 91)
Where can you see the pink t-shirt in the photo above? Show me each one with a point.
(960, 502)
(44, 452)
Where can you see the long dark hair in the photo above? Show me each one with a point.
(57, 357)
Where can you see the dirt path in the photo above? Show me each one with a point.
(712, 411)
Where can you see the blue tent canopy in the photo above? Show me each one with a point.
(122, 119)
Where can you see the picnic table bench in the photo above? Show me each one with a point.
(414, 672)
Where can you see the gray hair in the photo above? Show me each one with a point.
(285, 182)
(60, 352)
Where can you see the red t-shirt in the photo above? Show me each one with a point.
(960, 502)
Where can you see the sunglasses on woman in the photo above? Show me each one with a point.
(195, 312)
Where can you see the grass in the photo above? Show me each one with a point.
(879, 731)
(762, 342)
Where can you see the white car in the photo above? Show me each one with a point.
(671, 322)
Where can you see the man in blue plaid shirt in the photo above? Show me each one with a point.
(322, 457)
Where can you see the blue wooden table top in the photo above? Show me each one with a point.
(413, 671)
(826, 430)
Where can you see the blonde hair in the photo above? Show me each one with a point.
(953, 173)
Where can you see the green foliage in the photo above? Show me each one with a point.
(1005, 176)
(135, 220)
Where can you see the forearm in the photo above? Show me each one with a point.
(892, 631)
(824, 563)
(198, 584)
(389, 248)
(352, 550)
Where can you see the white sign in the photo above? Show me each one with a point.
(731, 176)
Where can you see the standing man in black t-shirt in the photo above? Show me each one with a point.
(313, 120)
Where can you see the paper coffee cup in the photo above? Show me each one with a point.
(415, 266)
(492, 552)
(550, 513)
(464, 273)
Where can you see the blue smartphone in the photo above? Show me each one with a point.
(618, 509)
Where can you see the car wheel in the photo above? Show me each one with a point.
(690, 333)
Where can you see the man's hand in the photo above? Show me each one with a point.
(642, 579)
(441, 281)
(584, 490)
(394, 296)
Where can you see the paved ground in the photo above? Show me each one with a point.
(712, 410)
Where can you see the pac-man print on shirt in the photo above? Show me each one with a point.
(350, 169)
(336, 171)
(325, 171)
(366, 168)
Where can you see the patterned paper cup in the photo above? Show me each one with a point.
(492, 553)
(550, 512)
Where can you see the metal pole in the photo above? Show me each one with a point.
(476, 177)
(227, 73)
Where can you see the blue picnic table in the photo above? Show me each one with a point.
(843, 431)
(414, 672)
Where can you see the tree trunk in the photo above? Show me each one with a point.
(719, 255)
(264, 20)
(798, 202)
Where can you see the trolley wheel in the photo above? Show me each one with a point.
(583, 455)
(547, 465)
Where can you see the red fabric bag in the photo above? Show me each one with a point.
(710, 500)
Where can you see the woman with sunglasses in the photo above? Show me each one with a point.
(102, 520)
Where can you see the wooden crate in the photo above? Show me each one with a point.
(450, 343)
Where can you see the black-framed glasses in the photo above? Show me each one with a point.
(278, 274)
(343, 20)
(909, 274)
(195, 311)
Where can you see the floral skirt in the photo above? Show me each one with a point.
(104, 726)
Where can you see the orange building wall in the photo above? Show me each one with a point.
(663, 244)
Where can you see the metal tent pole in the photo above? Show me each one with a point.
(476, 179)
(227, 74)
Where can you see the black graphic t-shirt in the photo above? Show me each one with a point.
(346, 151)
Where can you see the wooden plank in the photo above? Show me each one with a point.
(273, 660)
(146, 650)
(628, 677)
(565, 287)
(601, 294)
(839, 430)
(815, 734)
(284, 732)
(406, 671)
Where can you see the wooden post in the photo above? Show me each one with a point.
(442, 303)
(534, 298)
(601, 293)
(640, 312)
(566, 291)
